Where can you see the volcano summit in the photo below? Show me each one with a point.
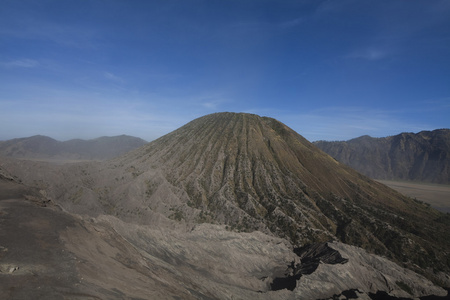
(243, 202)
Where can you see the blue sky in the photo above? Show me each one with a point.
(331, 70)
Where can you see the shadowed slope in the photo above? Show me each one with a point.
(423, 156)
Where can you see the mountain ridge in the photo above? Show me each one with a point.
(44, 147)
(422, 156)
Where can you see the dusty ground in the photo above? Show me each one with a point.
(437, 195)
(33, 261)
(46, 253)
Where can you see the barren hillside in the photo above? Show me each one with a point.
(424, 156)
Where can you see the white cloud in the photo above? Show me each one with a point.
(292, 23)
(212, 103)
(21, 63)
(371, 53)
(437, 103)
(30, 27)
(112, 77)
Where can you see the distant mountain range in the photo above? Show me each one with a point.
(424, 156)
(44, 147)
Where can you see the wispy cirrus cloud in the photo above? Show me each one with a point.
(292, 22)
(21, 63)
(113, 77)
(32, 28)
(369, 53)
(396, 30)
(213, 103)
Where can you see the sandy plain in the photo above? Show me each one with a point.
(437, 195)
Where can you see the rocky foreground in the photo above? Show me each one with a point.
(47, 253)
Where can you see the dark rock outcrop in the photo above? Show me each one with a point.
(361, 275)
(310, 258)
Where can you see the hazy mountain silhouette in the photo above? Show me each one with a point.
(424, 156)
(225, 198)
(43, 147)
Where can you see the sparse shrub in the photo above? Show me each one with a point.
(177, 214)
